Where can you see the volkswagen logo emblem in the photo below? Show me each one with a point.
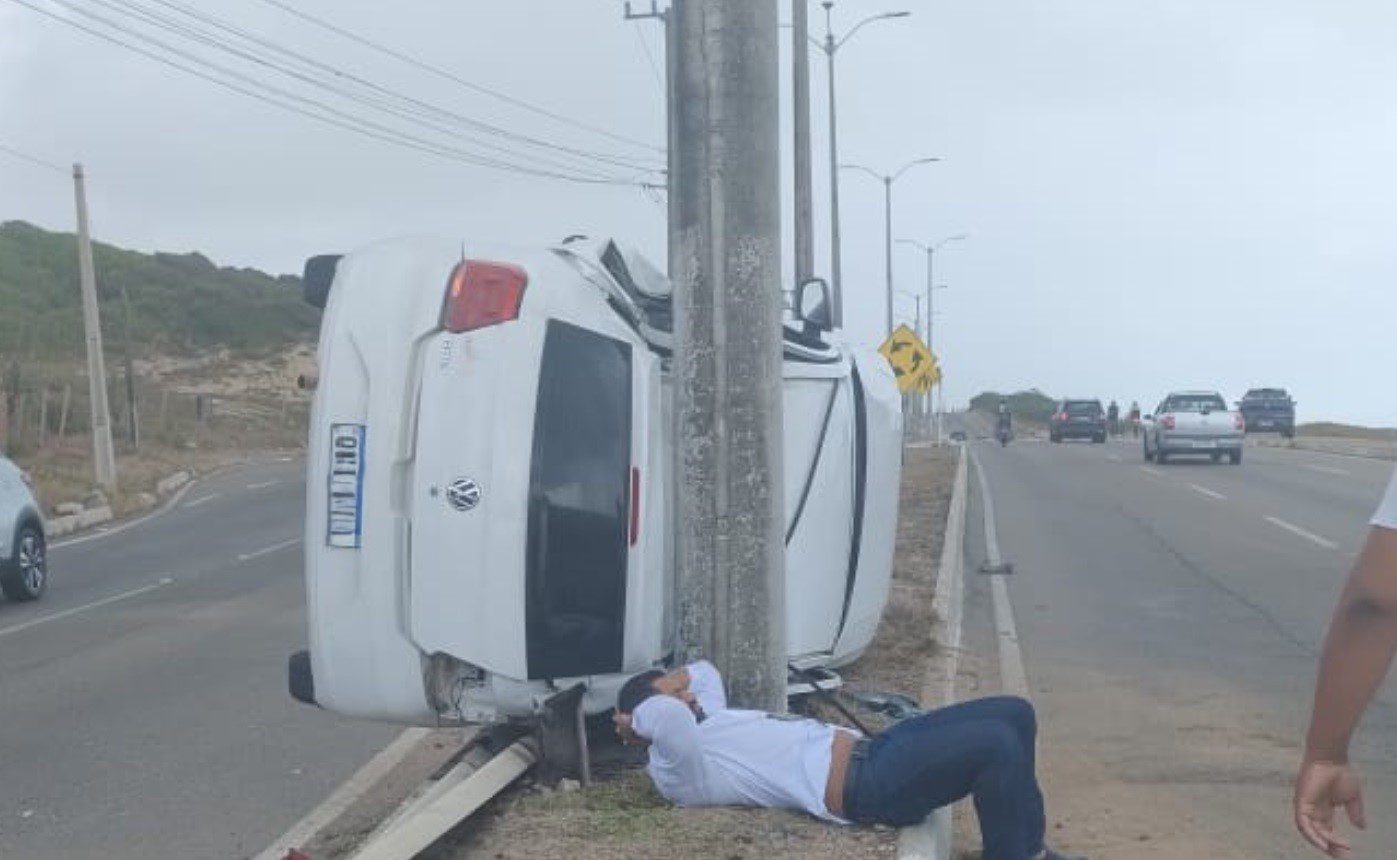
(463, 494)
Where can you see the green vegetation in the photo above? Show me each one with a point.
(180, 303)
(1031, 405)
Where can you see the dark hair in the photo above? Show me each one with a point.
(637, 690)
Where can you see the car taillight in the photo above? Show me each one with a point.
(482, 294)
(1239, 422)
(1167, 422)
(1062, 417)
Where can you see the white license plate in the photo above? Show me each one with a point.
(1203, 443)
(345, 527)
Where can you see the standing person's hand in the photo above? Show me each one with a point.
(1320, 789)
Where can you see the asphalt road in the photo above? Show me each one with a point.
(143, 704)
(1170, 620)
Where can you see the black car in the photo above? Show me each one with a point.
(1078, 419)
(1268, 410)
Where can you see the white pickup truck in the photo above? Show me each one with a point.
(1194, 422)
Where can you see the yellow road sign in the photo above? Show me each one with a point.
(909, 357)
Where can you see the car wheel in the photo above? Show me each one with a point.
(1160, 457)
(1217, 458)
(1100, 440)
(26, 576)
(1235, 457)
(1149, 455)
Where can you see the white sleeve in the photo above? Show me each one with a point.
(707, 686)
(673, 733)
(1386, 517)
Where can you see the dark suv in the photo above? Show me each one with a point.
(1078, 419)
(1268, 410)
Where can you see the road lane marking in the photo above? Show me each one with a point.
(1012, 676)
(1307, 535)
(1327, 470)
(1115, 458)
(194, 503)
(268, 550)
(1150, 470)
(1212, 494)
(96, 604)
(262, 485)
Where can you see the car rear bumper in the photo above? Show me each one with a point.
(1079, 431)
(1175, 444)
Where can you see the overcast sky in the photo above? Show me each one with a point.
(1179, 193)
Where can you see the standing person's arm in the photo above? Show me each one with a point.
(1358, 652)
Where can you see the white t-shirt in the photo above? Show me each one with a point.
(734, 757)
(1386, 517)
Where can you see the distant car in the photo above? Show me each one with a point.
(491, 472)
(23, 545)
(1194, 422)
(1078, 419)
(1268, 410)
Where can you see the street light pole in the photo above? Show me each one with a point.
(836, 256)
(888, 180)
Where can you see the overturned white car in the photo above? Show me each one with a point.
(488, 488)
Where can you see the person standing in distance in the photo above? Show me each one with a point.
(1358, 652)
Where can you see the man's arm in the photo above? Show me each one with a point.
(673, 733)
(707, 686)
(1358, 652)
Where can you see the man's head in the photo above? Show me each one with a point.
(637, 690)
(654, 682)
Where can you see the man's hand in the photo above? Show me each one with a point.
(625, 730)
(1321, 788)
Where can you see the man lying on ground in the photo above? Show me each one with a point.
(703, 753)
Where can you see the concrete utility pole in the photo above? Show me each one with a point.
(730, 552)
(804, 195)
(103, 454)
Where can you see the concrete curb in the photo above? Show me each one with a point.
(170, 483)
(931, 840)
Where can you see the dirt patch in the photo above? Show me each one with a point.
(622, 815)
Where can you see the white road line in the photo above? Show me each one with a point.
(1012, 676)
(262, 485)
(343, 797)
(77, 610)
(1307, 535)
(1212, 494)
(1150, 470)
(1327, 470)
(268, 550)
(194, 503)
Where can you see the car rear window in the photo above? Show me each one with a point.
(579, 497)
(1083, 407)
(1196, 403)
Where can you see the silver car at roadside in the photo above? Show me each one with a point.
(1194, 423)
(23, 542)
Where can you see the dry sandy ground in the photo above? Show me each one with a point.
(623, 817)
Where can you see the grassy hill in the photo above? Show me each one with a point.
(180, 303)
(1031, 405)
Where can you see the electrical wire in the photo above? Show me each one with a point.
(471, 85)
(32, 159)
(307, 107)
(416, 106)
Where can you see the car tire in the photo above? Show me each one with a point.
(1235, 457)
(1149, 455)
(1100, 440)
(25, 578)
(1054, 439)
(1217, 458)
(1160, 457)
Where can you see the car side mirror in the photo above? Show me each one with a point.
(813, 305)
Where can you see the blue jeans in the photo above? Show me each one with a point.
(983, 748)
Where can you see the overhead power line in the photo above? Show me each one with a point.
(33, 159)
(341, 75)
(296, 103)
(468, 84)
